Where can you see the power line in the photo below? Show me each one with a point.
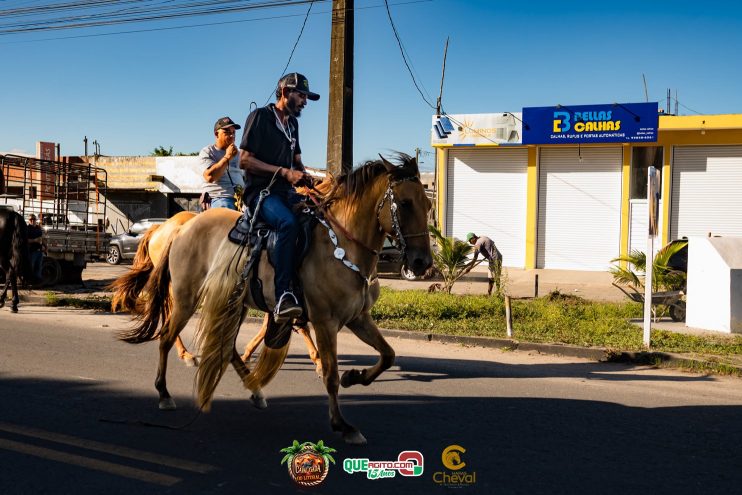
(147, 13)
(672, 98)
(183, 26)
(404, 58)
(291, 55)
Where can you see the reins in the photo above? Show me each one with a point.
(339, 252)
(338, 226)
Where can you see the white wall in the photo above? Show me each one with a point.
(182, 174)
(714, 299)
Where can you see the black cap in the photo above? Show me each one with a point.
(297, 82)
(223, 123)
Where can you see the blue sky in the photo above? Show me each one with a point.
(133, 92)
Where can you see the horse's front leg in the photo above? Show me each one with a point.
(189, 359)
(313, 354)
(255, 342)
(326, 333)
(365, 329)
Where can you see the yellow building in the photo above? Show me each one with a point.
(579, 206)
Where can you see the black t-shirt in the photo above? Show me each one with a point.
(34, 232)
(271, 143)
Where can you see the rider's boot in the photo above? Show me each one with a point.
(287, 308)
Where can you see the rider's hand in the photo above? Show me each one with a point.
(294, 177)
(231, 151)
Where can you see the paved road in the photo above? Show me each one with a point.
(77, 404)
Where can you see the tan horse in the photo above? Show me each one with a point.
(126, 289)
(375, 200)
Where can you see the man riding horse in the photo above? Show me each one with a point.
(271, 158)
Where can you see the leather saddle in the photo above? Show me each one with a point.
(263, 237)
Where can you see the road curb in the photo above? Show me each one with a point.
(599, 354)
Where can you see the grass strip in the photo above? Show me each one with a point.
(556, 318)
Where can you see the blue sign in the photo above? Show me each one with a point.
(613, 123)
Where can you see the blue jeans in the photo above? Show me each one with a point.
(37, 260)
(223, 203)
(276, 212)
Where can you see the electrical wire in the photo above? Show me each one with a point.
(291, 55)
(182, 26)
(404, 58)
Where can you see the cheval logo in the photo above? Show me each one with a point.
(452, 460)
(308, 463)
(408, 463)
(585, 122)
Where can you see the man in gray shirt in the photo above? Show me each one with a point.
(223, 177)
(486, 247)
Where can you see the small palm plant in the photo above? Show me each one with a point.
(451, 259)
(319, 448)
(664, 277)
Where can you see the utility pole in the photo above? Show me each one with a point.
(340, 117)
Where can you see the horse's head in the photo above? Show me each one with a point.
(403, 213)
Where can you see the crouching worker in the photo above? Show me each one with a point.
(271, 157)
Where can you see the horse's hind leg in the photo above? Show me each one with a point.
(179, 316)
(5, 289)
(327, 342)
(365, 329)
(239, 363)
(14, 288)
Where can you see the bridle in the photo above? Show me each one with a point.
(393, 208)
(339, 252)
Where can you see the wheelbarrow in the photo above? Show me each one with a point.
(673, 299)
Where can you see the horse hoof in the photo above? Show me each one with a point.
(318, 370)
(2, 303)
(350, 377)
(258, 402)
(191, 361)
(354, 438)
(167, 404)
(14, 309)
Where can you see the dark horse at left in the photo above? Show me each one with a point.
(15, 259)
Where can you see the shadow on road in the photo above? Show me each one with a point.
(76, 436)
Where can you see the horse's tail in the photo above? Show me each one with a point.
(268, 364)
(221, 301)
(155, 303)
(127, 287)
(21, 256)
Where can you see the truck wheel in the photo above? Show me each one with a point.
(677, 311)
(114, 255)
(51, 272)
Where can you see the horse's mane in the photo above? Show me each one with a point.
(351, 185)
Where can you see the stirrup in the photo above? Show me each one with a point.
(291, 311)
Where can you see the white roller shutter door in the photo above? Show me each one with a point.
(579, 214)
(706, 191)
(486, 191)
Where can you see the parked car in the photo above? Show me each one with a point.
(390, 262)
(124, 246)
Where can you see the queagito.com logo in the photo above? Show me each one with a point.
(452, 460)
(408, 463)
